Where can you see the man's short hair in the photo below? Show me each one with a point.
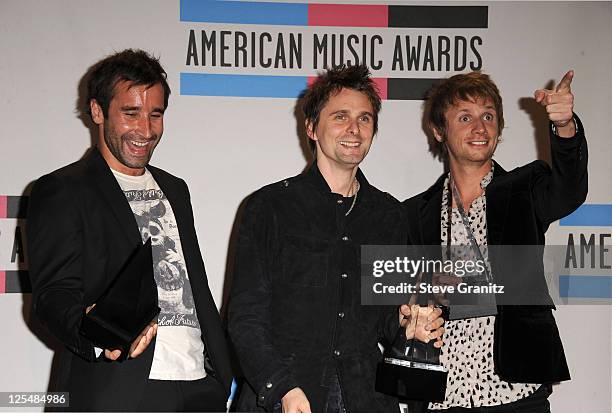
(135, 66)
(332, 81)
(443, 95)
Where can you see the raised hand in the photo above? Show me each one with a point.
(559, 104)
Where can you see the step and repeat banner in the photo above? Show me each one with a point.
(232, 126)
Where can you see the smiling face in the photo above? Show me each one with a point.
(133, 128)
(471, 132)
(345, 130)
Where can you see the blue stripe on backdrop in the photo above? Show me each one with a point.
(206, 84)
(294, 14)
(585, 286)
(589, 215)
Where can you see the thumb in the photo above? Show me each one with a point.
(565, 83)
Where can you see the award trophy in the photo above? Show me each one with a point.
(411, 369)
(126, 307)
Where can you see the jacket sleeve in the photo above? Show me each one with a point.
(388, 324)
(560, 189)
(249, 309)
(55, 238)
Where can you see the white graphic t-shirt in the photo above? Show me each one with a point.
(179, 350)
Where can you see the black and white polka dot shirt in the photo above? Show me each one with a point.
(468, 344)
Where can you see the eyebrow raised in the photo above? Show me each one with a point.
(492, 108)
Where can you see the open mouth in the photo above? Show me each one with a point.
(139, 144)
(478, 143)
(350, 144)
(138, 148)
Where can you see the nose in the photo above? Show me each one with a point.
(353, 127)
(144, 126)
(479, 126)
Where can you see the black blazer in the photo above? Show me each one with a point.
(80, 231)
(521, 204)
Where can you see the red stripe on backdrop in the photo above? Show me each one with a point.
(381, 83)
(3, 208)
(348, 15)
(2, 282)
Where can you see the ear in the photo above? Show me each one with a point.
(97, 115)
(439, 137)
(310, 130)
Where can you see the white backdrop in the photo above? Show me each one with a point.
(227, 147)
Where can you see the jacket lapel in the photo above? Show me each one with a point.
(174, 195)
(178, 197)
(498, 194)
(103, 178)
(429, 214)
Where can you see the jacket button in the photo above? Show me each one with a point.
(345, 238)
(341, 314)
(339, 201)
(268, 385)
(286, 183)
(336, 353)
(344, 276)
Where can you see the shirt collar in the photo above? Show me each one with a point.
(314, 177)
(484, 182)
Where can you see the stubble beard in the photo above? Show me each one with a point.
(115, 143)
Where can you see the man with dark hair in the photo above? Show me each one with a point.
(85, 220)
(315, 97)
(305, 342)
(506, 359)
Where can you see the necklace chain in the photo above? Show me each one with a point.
(356, 186)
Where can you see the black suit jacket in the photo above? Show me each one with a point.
(521, 204)
(80, 232)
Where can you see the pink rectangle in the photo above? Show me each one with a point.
(2, 282)
(348, 15)
(3, 206)
(381, 83)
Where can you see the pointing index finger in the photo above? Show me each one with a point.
(565, 83)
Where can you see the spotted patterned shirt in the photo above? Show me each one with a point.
(468, 343)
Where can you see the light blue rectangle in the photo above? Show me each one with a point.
(207, 84)
(585, 286)
(244, 12)
(589, 215)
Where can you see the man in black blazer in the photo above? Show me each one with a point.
(86, 218)
(504, 361)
